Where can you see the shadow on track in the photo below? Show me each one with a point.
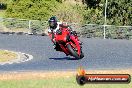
(64, 58)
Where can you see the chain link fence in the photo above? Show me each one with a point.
(110, 32)
(87, 30)
(22, 25)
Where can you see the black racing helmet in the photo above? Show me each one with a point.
(53, 21)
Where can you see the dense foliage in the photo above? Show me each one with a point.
(119, 12)
(31, 9)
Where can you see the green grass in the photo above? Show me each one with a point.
(2, 13)
(56, 83)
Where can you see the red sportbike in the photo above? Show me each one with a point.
(68, 42)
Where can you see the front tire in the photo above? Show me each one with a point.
(82, 55)
(73, 52)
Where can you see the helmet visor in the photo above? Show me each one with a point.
(52, 24)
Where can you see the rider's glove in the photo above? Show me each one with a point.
(74, 33)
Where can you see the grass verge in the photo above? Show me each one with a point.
(56, 83)
(51, 80)
(7, 56)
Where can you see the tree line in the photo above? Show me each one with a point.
(119, 12)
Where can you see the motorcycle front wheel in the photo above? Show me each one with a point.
(73, 52)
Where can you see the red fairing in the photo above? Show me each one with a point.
(63, 35)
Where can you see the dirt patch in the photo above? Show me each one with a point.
(54, 74)
(7, 55)
(34, 75)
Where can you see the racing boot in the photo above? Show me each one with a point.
(74, 33)
(57, 47)
(54, 46)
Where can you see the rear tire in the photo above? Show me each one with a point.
(82, 55)
(74, 53)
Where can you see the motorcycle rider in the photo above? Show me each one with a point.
(55, 25)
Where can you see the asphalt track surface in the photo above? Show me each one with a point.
(99, 54)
